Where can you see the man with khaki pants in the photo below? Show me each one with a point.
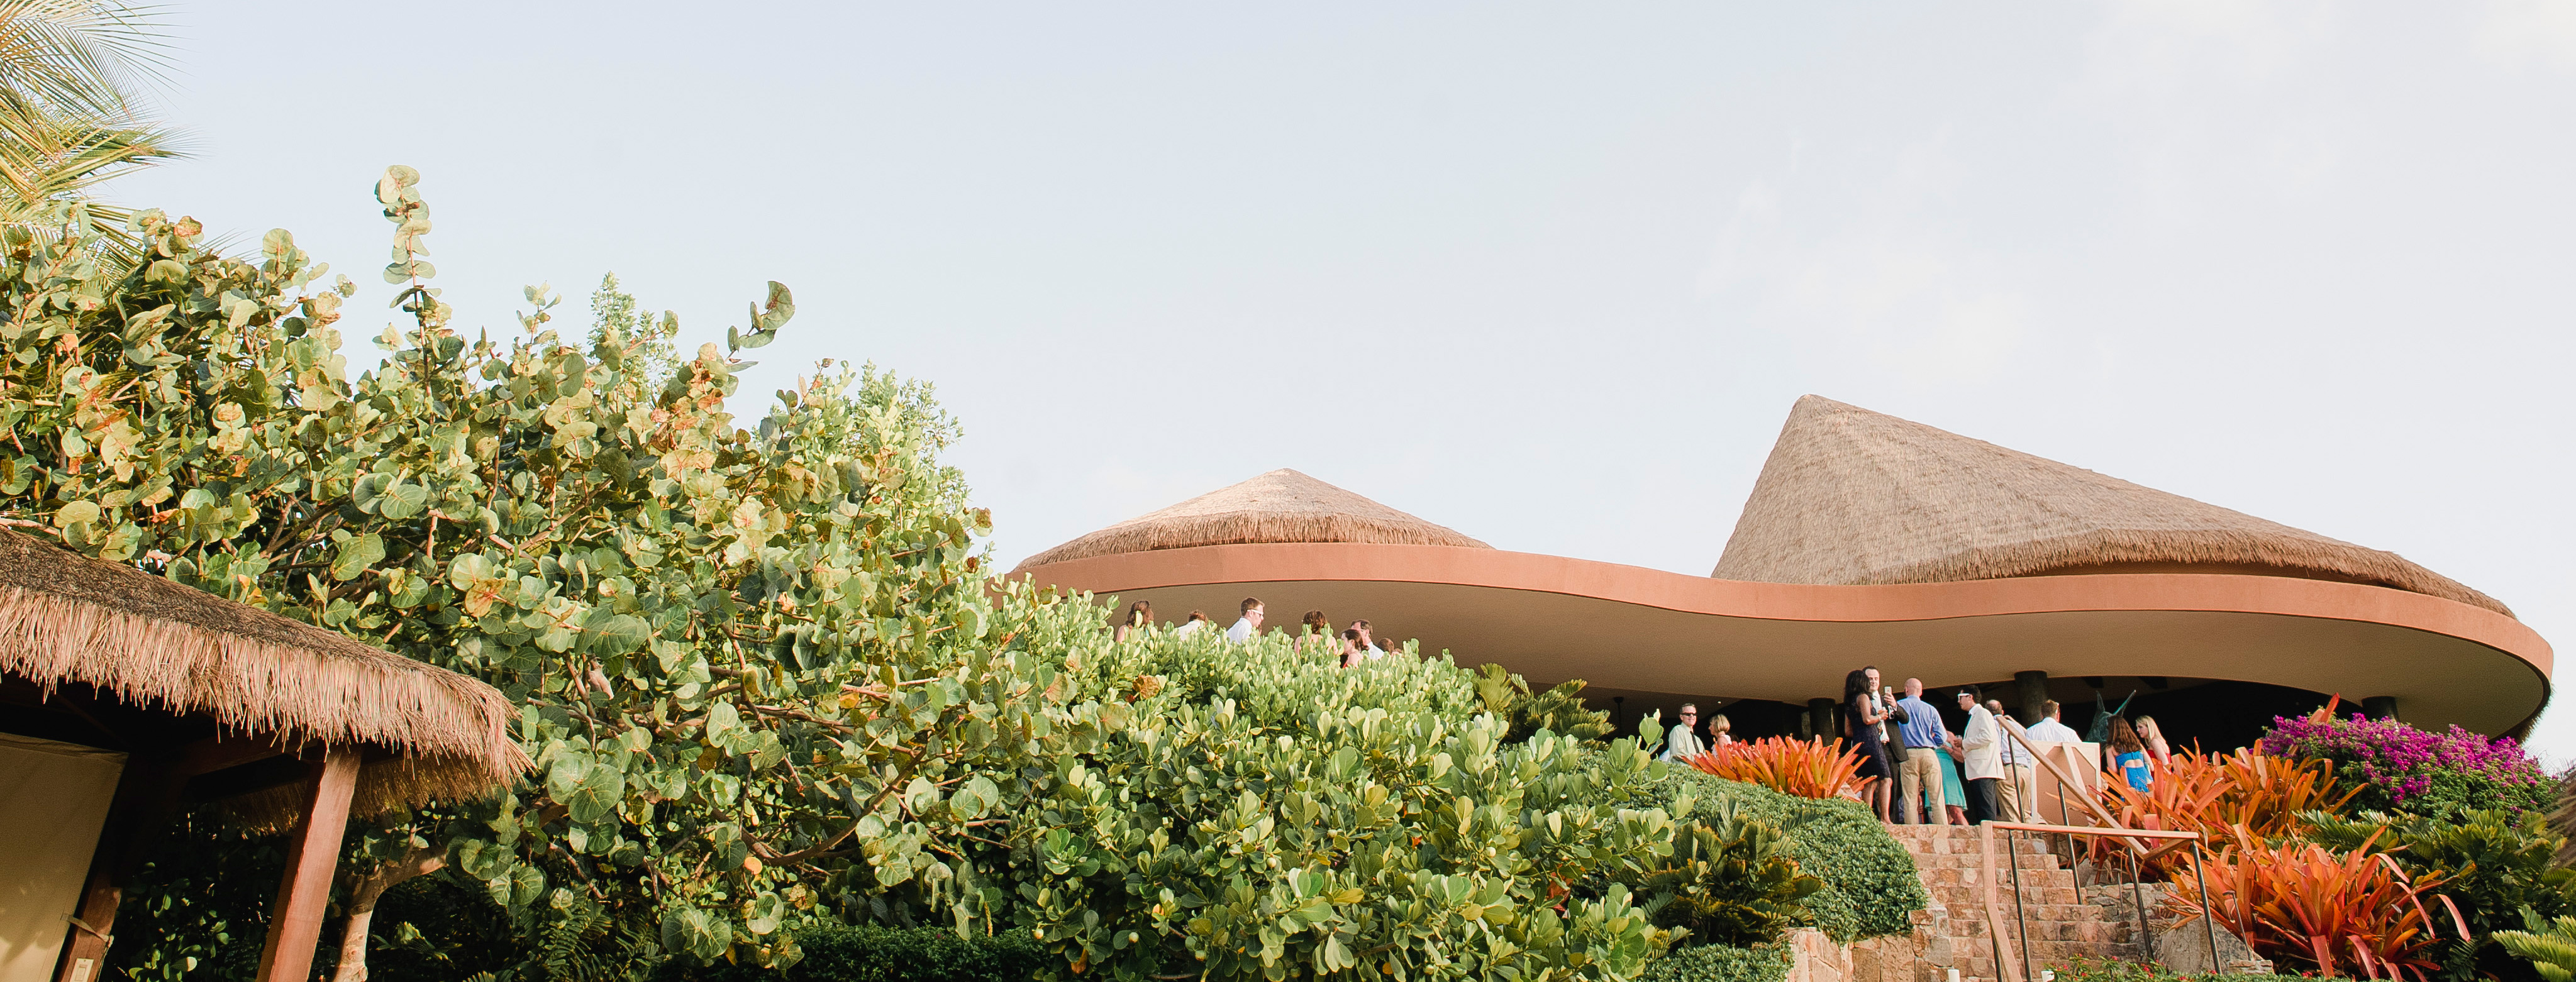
(1919, 774)
(2017, 787)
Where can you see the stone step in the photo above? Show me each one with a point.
(1972, 897)
(1945, 875)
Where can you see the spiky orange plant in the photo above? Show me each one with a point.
(2351, 913)
(1817, 768)
(2217, 794)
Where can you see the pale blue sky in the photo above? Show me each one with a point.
(1548, 274)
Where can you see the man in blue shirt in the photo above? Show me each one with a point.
(1919, 774)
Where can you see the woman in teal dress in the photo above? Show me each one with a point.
(1952, 792)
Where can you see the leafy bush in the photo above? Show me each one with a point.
(2300, 904)
(2494, 866)
(1870, 883)
(2549, 947)
(1817, 768)
(2396, 767)
(2104, 970)
(1557, 710)
(881, 954)
(1732, 880)
(1720, 963)
(1238, 811)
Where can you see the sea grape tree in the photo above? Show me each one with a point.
(750, 660)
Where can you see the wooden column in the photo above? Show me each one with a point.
(312, 853)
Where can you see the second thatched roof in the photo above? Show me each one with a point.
(1280, 506)
(151, 642)
(1851, 496)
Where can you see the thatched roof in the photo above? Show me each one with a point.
(1851, 496)
(1280, 506)
(66, 619)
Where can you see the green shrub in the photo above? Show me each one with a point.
(1870, 884)
(1732, 880)
(2495, 865)
(1720, 963)
(2549, 947)
(2091, 970)
(1241, 811)
(882, 954)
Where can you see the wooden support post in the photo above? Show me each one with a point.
(312, 853)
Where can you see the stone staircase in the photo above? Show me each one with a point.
(1952, 933)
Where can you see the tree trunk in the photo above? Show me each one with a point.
(363, 893)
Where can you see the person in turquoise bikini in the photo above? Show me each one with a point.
(2131, 764)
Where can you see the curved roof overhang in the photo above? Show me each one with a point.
(1552, 618)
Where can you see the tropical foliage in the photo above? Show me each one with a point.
(2222, 796)
(1816, 768)
(2496, 868)
(1870, 886)
(1560, 709)
(1732, 881)
(1251, 811)
(2396, 767)
(751, 661)
(71, 112)
(871, 953)
(2351, 912)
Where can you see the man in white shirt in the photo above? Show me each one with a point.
(1189, 627)
(1683, 741)
(1980, 758)
(2049, 730)
(1249, 623)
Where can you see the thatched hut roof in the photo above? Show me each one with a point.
(1280, 506)
(69, 619)
(1851, 496)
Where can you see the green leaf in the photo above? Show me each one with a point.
(403, 501)
(616, 633)
(358, 555)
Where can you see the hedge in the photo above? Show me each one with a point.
(869, 953)
(1719, 963)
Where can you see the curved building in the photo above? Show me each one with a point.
(1870, 539)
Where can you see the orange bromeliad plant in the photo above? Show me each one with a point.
(2217, 794)
(2352, 913)
(1817, 768)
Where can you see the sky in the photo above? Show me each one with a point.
(1549, 274)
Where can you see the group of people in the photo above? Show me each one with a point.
(1928, 775)
(1353, 645)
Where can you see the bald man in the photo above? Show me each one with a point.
(1919, 774)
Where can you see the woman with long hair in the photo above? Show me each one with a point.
(1318, 630)
(1139, 614)
(2153, 736)
(1352, 650)
(1863, 714)
(2130, 756)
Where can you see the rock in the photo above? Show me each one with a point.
(2184, 948)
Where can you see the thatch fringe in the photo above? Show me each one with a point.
(1850, 496)
(1280, 506)
(152, 642)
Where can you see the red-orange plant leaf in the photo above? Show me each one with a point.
(1817, 768)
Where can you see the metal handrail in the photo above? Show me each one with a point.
(2137, 894)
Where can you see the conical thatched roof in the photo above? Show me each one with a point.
(1851, 496)
(66, 618)
(1280, 506)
